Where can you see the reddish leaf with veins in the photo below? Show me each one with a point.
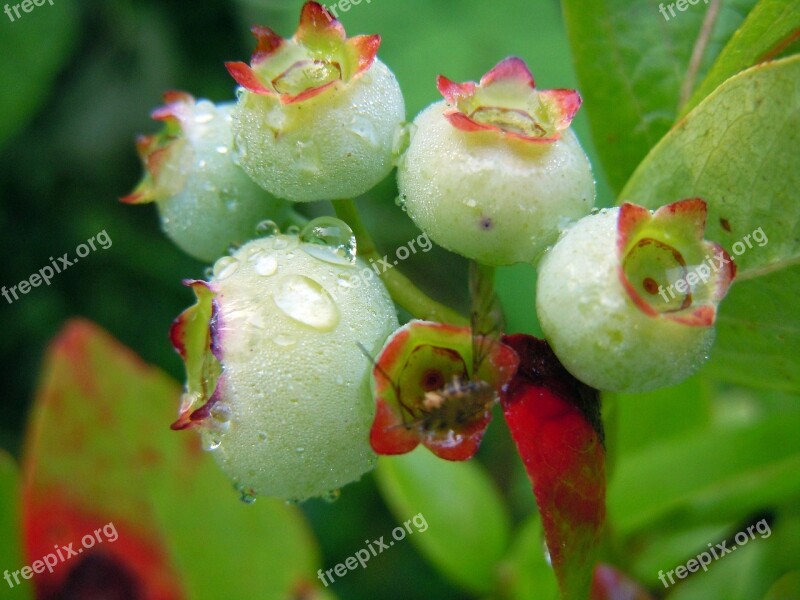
(555, 422)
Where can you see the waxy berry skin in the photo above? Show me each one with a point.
(206, 202)
(291, 410)
(619, 330)
(319, 116)
(493, 172)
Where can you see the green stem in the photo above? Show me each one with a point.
(401, 288)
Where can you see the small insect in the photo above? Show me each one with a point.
(437, 383)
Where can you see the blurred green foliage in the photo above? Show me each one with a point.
(78, 82)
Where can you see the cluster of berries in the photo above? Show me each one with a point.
(278, 367)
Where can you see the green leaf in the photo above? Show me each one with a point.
(632, 67)
(768, 29)
(10, 539)
(715, 474)
(738, 151)
(33, 49)
(526, 574)
(468, 526)
(758, 333)
(101, 446)
(786, 588)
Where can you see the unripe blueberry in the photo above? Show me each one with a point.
(206, 202)
(276, 381)
(493, 173)
(318, 114)
(627, 299)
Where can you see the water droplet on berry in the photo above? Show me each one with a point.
(225, 267)
(262, 435)
(210, 441)
(246, 494)
(331, 496)
(306, 301)
(221, 412)
(208, 272)
(267, 228)
(284, 340)
(222, 149)
(329, 239)
(364, 129)
(266, 265)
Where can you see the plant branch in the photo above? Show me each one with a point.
(401, 288)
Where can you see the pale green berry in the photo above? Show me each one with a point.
(494, 173)
(605, 303)
(291, 413)
(319, 115)
(205, 201)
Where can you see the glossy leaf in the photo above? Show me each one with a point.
(769, 28)
(100, 450)
(632, 64)
(554, 421)
(719, 473)
(468, 526)
(742, 160)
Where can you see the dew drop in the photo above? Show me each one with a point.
(300, 450)
(262, 435)
(471, 202)
(267, 228)
(246, 494)
(210, 442)
(221, 412)
(330, 239)
(401, 202)
(339, 380)
(208, 272)
(222, 149)
(331, 496)
(292, 230)
(364, 129)
(266, 265)
(284, 340)
(225, 267)
(307, 302)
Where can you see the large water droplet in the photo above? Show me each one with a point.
(329, 239)
(267, 228)
(307, 302)
(266, 265)
(225, 267)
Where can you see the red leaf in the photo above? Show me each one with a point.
(555, 422)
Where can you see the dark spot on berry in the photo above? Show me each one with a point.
(486, 223)
(650, 285)
(432, 379)
(725, 225)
